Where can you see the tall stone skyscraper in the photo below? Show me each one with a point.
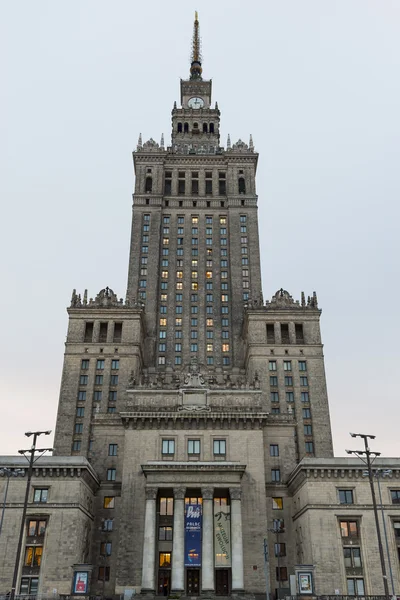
(193, 399)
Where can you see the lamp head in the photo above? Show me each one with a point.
(29, 433)
(350, 451)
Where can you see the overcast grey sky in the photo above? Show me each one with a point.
(317, 84)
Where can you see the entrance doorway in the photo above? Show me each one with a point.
(222, 582)
(164, 582)
(193, 582)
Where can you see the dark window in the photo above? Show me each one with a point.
(289, 396)
(181, 186)
(195, 186)
(273, 450)
(97, 396)
(209, 186)
(165, 534)
(299, 333)
(149, 184)
(396, 526)
(302, 365)
(289, 381)
(242, 185)
(307, 429)
(352, 558)
(305, 397)
(114, 380)
(280, 549)
(186, 128)
(274, 397)
(117, 332)
(104, 574)
(78, 427)
(349, 528)
(211, 127)
(281, 574)
(270, 333)
(285, 333)
(103, 332)
(76, 446)
(205, 128)
(83, 380)
(40, 494)
(346, 497)
(88, 332)
(112, 396)
(105, 549)
(80, 411)
(98, 380)
(167, 186)
(29, 586)
(395, 494)
(222, 184)
(179, 127)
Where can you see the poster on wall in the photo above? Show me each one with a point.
(193, 523)
(81, 582)
(222, 535)
(305, 582)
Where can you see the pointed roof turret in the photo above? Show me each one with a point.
(195, 68)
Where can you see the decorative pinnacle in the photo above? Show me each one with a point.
(195, 69)
(251, 145)
(139, 144)
(162, 141)
(228, 142)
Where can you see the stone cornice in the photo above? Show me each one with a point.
(203, 419)
(53, 466)
(192, 467)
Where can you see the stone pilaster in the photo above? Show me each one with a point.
(178, 547)
(236, 540)
(149, 541)
(207, 570)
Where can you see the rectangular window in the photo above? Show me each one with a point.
(277, 503)
(117, 333)
(355, 586)
(109, 502)
(100, 364)
(80, 411)
(310, 447)
(289, 381)
(29, 586)
(346, 497)
(178, 347)
(112, 449)
(114, 380)
(83, 380)
(302, 365)
(84, 365)
(111, 474)
(349, 529)
(225, 322)
(166, 506)
(306, 413)
(280, 549)
(194, 447)
(219, 447)
(272, 365)
(40, 495)
(78, 428)
(105, 548)
(273, 450)
(163, 310)
(287, 365)
(395, 495)
(76, 446)
(285, 333)
(89, 332)
(281, 574)
(299, 333)
(304, 381)
(178, 360)
(164, 560)
(274, 396)
(103, 332)
(111, 409)
(307, 429)
(210, 360)
(165, 534)
(98, 380)
(275, 475)
(97, 396)
(104, 574)
(289, 396)
(36, 528)
(168, 447)
(305, 397)
(181, 186)
(112, 396)
(193, 347)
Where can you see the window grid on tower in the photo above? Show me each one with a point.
(143, 257)
(245, 270)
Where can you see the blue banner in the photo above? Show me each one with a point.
(193, 523)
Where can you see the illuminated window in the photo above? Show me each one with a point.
(166, 506)
(208, 274)
(161, 360)
(195, 220)
(165, 241)
(210, 322)
(165, 560)
(194, 274)
(194, 263)
(194, 285)
(178, 322)
(164, 297)
(179, 274)
(179, 285)
(277, 503)
(164, 274)
(225, 347)
(224, 298)
(222, 220)
(209, 347)
(109, 502)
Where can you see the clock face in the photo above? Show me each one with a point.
(196, 103)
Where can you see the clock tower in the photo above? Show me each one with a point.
(196, 125)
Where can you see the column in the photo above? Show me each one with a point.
(207, 561)
(178, 546)
(236, 540)
(149, 541)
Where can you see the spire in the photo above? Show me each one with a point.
(162, 141)
(195, 68)
(251, 145)
(139, 144)
(228, 142)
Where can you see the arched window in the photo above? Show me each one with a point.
(205, 128)
(186, 128)
(149, 184)
(242, 185)
(195, 125)
(211, 127)
(179, 127)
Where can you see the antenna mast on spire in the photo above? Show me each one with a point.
(195, 69)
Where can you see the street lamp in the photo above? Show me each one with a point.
(6, 472)
(277, 530)
(367, 453)
(32, 452)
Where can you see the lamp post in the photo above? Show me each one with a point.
(367, 453)
(378, 474)
(31, 453)
(6, 472)
(278, 529)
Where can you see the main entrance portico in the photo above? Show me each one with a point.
(193, 531)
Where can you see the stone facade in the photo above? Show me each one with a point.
(192, 392)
